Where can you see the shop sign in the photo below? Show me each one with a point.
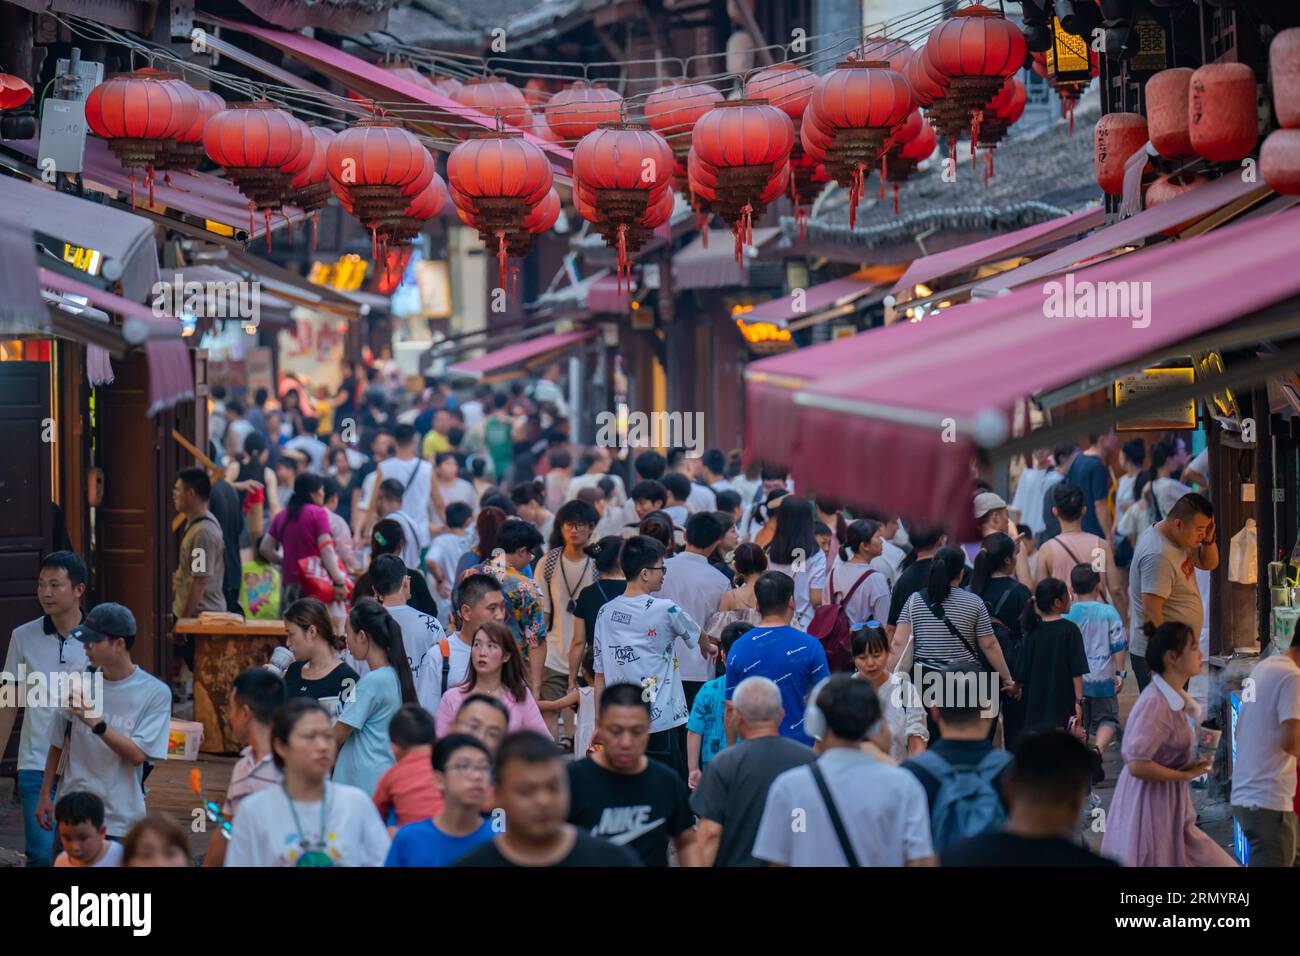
(345, 274)
(1149, 382)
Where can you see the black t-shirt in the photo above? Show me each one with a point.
(637, 810)
(421, 597)
(1009, 596)
(1007, 849)
(328, 687)
(957, 752)
(1051, 656)
(587, 851)
(733, 792)
(909, 582)
(593, 598)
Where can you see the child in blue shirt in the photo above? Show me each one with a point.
(1104, 646)
(706, 736)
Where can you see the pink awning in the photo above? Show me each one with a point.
(814, 299)
(886, 417)
(1004, 246)
(1179, 212)
(519, 353)
(608, 294)
(374, 81)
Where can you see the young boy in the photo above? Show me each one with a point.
(462, 767)
(82, 832)
(705, 735)
(1104, 645)
(445, 553)
(407, 793)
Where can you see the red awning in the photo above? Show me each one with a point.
(171, 378)
(811, 301)
(374, 81)
(1004, 246)
(1136, 229)
(518, 354)
(608, 294)
(709, 260)
(886, 417)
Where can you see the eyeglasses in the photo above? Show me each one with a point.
(470, 769)
(578, 527)
(657, 567)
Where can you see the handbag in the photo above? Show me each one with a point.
(316, 581)
(259, 591)
(974, 649)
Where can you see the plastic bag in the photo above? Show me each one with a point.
(1243, 555)
(259, 591)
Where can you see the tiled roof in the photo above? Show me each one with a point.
(440, 23)
(1038, 176)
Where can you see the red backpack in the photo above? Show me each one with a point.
(831, 626)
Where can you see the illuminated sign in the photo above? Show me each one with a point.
(762, 333)
(1149, 382)
(1067, 57)
(83, 259)
(346, 274)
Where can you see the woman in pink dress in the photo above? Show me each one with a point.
(1152, 821)
(496, 669)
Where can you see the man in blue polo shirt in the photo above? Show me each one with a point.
(790, 658)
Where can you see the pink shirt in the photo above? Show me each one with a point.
(298, 538)
(524, 714)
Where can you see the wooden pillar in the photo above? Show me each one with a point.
(1265, 520)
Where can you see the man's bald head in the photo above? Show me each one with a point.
(757, 700)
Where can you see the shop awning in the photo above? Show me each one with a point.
(816, 302)
(345, 17)
(171, 377)
(1134, 230)
(124, 243)
(519, 354)
(711, 263)
(199, 199)
(21, 306)
(374, 81)
(1005, 246)
(916, 385)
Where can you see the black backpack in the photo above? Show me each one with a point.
(1001, 630)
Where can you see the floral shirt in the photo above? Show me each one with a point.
(706, 719)
(523, 596)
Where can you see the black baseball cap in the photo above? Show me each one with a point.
(105, 621)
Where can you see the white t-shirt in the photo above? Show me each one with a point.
(446, 551)
(813, 576)
(1167, 491)
(568, 578)
(679, 514)
(112, 857)
(472, 412)
(37, 648)
(634, 644)
(701, 498)
(420, 637)
(869, 602)
(1263, 774)
(1031, 490)
(266, 834)
(698, 588)
(459, 490)
(586, 722)
(888, 829)
(410, 553)
(138, 707)
(415, 500)
(460, 655)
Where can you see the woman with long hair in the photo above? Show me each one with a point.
(317, 671)
(1052, 662)
(608, 585)
(739, 603)
(794, 551)
(994, 582)
(486, 527)
(899, 703)
(1162, 489)
(1151, 820)
(764, 516)
(374, 639)
(854, 581)
(659, 525)
(302, 530)
(388, 537)
(309, 820)
(497, 669)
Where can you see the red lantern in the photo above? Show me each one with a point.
(1170, 187)
(538, 91)
(673, 110)
(494, 97)
(1167, 115)
(786, 86)
(252, 141)
(446, 85)
(1279, 161)
(426, 203)
(1002, 113)
(498, 178)
(1221, 116)
(1284, 76)
(138, 113)
(371, 163)
(14, 91)
(309, 189)
(574, 112)
(1116, 137)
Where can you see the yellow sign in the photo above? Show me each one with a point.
(82, 259)
(220, 228)
(346, 274)
(756, 333)
(1150, 382)
(1067, 57)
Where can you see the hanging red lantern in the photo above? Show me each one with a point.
(1222, 120)
(446, 85)
(425, 203)
(577, 110)
(1116, 137)
(309, 189)
(496, 98)
(1002, 113)
(251, 141)
(139, 114)
(538, 91)
(1279, 161)
(371, 163)
(1284, 77)
(1167, 93)
(1165, 188)
(498, 177)
(672, 111)
(786, 86)
(14, 91)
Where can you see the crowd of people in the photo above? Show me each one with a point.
(509, 650)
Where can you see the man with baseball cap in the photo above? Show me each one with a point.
(991, 515)
(110, 733)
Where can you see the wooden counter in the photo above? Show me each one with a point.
(221, 651)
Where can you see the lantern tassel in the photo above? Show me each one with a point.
(895, 200)
(703, 225)
(288, 223)
(315, 218)
(131, 176)
(148, 178)
(952, 153)
(266, 213)
(501, 257)
(621, 245)
(1070, 111)
(976, 119)
(251, 210)
(883, 173)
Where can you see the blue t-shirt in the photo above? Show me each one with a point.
(423, 844)
(790, 658)
(706, 719)
(1090, 474)
(1103, 636)
(366, 754)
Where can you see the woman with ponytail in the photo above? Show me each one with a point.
(861, 543)
(1052, 661)
(302, 530)
(994, 582)
(374, 639)
(739, 603)
(496, 669)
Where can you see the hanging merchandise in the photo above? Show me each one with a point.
(1243, 555)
